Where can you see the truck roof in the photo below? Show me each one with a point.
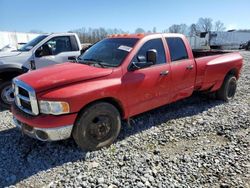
(59, 34)
(142, 35)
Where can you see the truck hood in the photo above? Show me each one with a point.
(9, 54)
(15, 57)
(62, 74)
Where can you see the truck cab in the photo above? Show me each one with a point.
(45, 50)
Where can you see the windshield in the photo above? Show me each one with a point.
(109, 52)
(32, 43)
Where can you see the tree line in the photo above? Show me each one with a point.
(90, 35)
(202, 25)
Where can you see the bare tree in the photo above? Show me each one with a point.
(219, 26)
(91, 35)
(154, 30)
(139, 30)
(174, 28)
(193, 30)
(181, 28)
(36, 31)
(205, 24)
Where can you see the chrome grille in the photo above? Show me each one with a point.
(25, 97)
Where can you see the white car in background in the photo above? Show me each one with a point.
(8, 48)
(42, 51)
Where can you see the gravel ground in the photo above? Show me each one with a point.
(197, 142)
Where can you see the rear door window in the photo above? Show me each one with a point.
(177, 49)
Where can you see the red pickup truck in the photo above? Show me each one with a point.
(117, 78)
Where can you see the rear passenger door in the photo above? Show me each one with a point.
(182, 68)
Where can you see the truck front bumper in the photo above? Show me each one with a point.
(44, 127)
(44, 134)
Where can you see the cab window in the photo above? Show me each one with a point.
(57, 45)
(152, 44)
(177, 49)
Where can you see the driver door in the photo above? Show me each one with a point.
(56, 50)
(149, 87)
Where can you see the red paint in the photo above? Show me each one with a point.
(137, 91)
(45, 121)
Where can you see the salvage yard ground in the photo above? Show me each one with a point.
(191, 143)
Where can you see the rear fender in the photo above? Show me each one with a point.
(217, 69)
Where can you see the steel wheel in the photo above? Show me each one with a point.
(97, 126)
(7, 95)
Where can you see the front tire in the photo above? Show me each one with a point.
(228, 89)
(97, 126)
(6, 94)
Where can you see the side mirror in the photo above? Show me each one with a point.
(39, 52)
(152, 56)
(143, 61)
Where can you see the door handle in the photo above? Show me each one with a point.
(164, 73)
(189, 67)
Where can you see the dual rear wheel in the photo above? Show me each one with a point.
(228, 88)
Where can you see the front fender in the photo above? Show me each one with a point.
(81, 94)
(13, 68)
(9, 71)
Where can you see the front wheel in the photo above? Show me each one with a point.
(97, 126)
(228, 88)
(6, 94)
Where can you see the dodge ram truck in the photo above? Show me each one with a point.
(43, 51)
(115, 79)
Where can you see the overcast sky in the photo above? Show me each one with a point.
(65, 15)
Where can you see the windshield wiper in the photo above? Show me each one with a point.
(91, 62)
(92, 59)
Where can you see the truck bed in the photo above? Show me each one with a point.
(212, 66)
(203, 53)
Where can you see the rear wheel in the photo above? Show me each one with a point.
(98, 126)
(228, 88)
(6, 94)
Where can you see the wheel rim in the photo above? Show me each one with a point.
(231, 89)
(7, 94)
(100, 127)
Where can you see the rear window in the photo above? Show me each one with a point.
(177, 49)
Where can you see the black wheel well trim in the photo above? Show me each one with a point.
(233, 72)
(10, 73)
(116, 103)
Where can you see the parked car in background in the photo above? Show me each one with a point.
(10, 48)
(43, 51)
(117, 78)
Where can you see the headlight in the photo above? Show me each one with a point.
(54, 108)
